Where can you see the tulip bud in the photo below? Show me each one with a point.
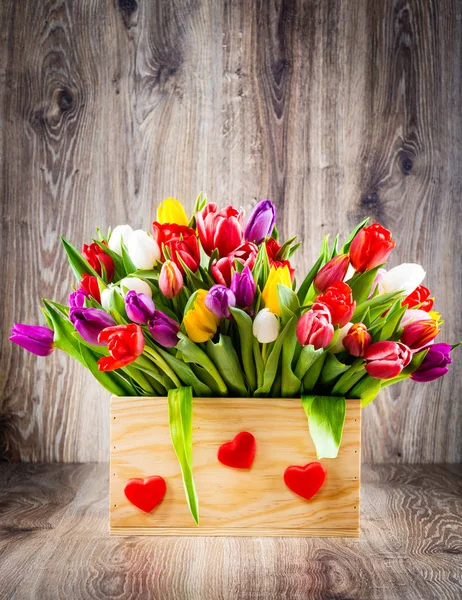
(97, 259)
(143, 250)
(337, 346)
(266, 326)
(222, 270)
(33, 338)
(77, 299)
(277, 276)
(385, 360)
(163, 329)
(134, 283)
(371, 247)
(200, 323)
(111, 299)
(333, 271)
(139, 307)
(221, 230)
(418, 334)
(170, 279)
(261, 222)
(171, 211)
(315, 328)
(357, 340)
(218, 301)
(89, 284)
(435, 364)
(244, 288)
(405, 277)
(90, 322)
(120, 234)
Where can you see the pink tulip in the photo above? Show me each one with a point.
(333, 271)
(170, 279)
(385, 360)
(315, 327)
(418, 334)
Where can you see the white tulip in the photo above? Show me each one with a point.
(143, 249)
(350, 272)
(338, 346)
(134, 283)
(120, 233)
(266, 326)
(108, 297)
(405, 277)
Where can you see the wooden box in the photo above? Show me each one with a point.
(249, 502)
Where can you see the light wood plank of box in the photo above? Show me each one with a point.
(232, 501)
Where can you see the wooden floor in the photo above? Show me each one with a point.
(54, 543)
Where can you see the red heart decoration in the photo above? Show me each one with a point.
(147, 493)
(240, 452)
(305, 481)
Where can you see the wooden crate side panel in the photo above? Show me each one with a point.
(232, 500)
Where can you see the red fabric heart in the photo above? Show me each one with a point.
(147, 493)
(240, 452)
(305, 481)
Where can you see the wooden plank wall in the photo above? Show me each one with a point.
(333, 109)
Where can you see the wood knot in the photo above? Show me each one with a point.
(370, 200)
(406, 163)
(128, 8)
(65, 100)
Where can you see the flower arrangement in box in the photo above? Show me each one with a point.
(209, 306)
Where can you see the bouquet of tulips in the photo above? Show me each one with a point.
(209, 306)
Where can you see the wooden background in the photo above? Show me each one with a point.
(333, 109)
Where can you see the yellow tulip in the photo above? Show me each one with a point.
(172, 211)
(277, 276)
(200, 323)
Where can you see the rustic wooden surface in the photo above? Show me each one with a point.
(252, 501)
(335, 110)
(54, 543)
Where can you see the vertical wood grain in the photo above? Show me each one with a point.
(335, 110)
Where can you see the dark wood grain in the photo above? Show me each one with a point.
(335, 110)
(54, 543)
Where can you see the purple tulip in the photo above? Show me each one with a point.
(77, 299)
(219, 299)
(34, 338)
(244, 288)
(139, 307)
(163, 329)
(90, 322)
(261, 222)
(434, 364)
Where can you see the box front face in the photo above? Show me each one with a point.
(232, 501)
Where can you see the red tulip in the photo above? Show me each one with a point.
(339, 300)
(222, 229)
(124, 342)
(357, 339)
(97, 258)
(419, 333)
(385, 360)
(272, 248)
(315, 327)
(89, 284)
(180, 240)
(370, 247)
(421, 295)
(222, 269)
(333, 271)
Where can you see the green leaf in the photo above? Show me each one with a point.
(391, 322)
(357, 229)
(78, 264)
(180, 403)
(244, 326)
(127, 261)
(331, 370)
(366, 390)
(192, 353)
(378, 304)
(288, 303)
(326, 417)
(112, 381)
(312, 375)
(305, 286)
(283, 252)
(290, 383)
(272, 363)
(119, 269)
(349, 378)
(225, 358)
(307, 357)
(193, 281)
(361, 284)
(186, 374)
(417, 359)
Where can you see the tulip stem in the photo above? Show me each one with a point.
(163, 364)
(264, 352)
